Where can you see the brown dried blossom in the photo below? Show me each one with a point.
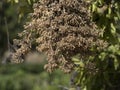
(60, 29)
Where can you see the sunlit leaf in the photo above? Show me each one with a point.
(94, 7)
(16, 1)
(102, 56)
(113, 30)
(116, 63)
(29, 1)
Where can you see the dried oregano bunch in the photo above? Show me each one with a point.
(60, 29)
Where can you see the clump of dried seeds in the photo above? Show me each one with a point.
(60, 29)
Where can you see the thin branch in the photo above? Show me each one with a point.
(7, 32)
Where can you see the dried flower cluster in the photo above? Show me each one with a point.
(60, 29)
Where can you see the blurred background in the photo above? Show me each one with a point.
(13, 15)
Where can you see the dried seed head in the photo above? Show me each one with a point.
(60, 29)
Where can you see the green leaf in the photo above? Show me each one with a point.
(102, 56)
(78, 62)
(118, 14)
(113, 48)
(109, 11)
(16, 1)
(116, 63)
(94, 8)
(75, 59)
(29, 1)
(113, 29)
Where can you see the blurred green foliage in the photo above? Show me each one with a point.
(31, 77)
(13, 15)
